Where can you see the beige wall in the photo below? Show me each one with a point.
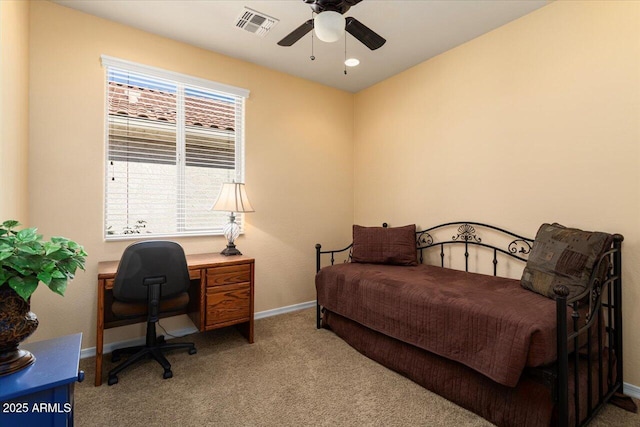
(14, 110)
(299, 177)
(536, 121)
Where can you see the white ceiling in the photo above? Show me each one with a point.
(416, 30)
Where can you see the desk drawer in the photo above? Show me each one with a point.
(227, 303)
(220, 276)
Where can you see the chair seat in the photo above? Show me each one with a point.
(135, 309)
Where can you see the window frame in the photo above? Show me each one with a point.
(183, 80)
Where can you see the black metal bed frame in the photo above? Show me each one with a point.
(602, 294)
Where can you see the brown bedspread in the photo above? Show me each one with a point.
(490, 324)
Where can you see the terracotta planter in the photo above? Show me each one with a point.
(16, 324)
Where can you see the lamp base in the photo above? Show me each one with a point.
(231, 250)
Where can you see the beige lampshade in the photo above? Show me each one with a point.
(233, 198)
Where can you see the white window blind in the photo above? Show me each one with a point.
(171, 142)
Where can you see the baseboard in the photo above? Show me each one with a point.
(283, 310)
(631, 390)
(108, 348)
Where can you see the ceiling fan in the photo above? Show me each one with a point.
(329, 24)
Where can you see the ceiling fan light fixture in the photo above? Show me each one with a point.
(329, 26)
(352, 62)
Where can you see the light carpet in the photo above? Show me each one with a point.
(293, 375)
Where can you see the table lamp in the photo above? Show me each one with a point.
(232, 198)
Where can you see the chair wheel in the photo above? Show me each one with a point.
(160, 339)
(112, 380)
(193, 350)
(167, 374)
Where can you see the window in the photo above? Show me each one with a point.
(171, 142)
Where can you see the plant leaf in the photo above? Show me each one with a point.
(27, 235)
(45, 277)
(57, 274)
(10, 223)
(24, 286)
(20, 264)
(50, 247)
(61, 254)
(58, 286)
(28, 249)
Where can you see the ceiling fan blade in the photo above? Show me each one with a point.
(297, 34)
(366, 35)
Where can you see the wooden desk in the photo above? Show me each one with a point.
(221, 294)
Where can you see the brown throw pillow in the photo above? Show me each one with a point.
(563, 256)
(383, 245)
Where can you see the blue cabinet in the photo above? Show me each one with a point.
(42, 394)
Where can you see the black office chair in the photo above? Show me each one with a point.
(152, 278)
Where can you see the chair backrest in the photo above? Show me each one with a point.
(150, 261)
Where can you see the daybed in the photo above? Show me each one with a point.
(501, 347)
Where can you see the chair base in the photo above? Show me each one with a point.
(153, 348)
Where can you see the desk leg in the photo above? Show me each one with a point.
(249, 324)
(246, 329)
(100, 332)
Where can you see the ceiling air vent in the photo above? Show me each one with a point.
(255, 22)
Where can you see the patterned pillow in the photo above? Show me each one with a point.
(382, 245)
(563, 256)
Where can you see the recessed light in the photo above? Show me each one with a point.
(351, 62)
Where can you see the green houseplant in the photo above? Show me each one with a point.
(25, 262)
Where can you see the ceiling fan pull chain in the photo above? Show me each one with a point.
(345, 54)
(312, 57)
